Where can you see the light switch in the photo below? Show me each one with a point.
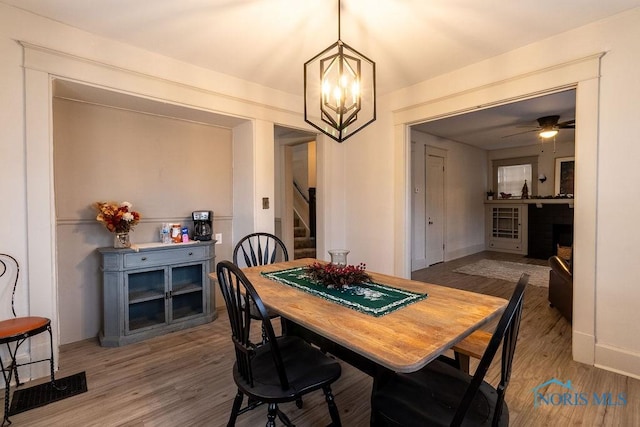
(265, 203)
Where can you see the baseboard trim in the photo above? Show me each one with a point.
(617, 360)
(418, 264)
(459, 253)
(583, 347)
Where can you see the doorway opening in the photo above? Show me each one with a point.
(296, 183)
(474, 142)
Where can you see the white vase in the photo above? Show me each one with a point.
(121, 240)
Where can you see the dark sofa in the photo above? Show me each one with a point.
(561, 286)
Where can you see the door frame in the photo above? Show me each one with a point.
(583, 75)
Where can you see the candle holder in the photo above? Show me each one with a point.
(339, 256)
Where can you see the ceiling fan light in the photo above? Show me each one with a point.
(548, 133)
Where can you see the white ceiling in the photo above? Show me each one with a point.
(509, 125)
(268, 41)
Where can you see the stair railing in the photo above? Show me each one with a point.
(310, 208)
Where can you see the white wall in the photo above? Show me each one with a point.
(617, 292)
(465, 183)
(300, 169)
(605, 312)
(165, 167)
(366, 174)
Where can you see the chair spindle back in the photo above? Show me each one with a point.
(238, 293)
(506, 333)
(260, 249)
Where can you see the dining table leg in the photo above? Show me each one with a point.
(327, 346)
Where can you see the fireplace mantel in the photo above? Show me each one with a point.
(537, 202)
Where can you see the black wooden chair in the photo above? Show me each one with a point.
(259, 249)
(281, 370)
(442, 395)
(15, 331)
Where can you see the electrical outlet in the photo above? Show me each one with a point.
(218, 238)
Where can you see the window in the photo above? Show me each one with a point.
(509, 175)
(512, 178)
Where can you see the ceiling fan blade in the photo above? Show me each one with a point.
(520, 133)
(569, 124)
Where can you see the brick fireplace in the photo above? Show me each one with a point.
(549, 225)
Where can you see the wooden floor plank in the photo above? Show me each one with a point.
(184, 378)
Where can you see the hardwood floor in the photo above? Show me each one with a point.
(184, 378)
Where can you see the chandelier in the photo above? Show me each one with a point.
(339, 90)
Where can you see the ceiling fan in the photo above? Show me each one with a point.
(548, 127)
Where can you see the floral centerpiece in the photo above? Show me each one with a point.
(337, 275)
(119, 219)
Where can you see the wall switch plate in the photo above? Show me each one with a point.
(265, 203)
(218, 238)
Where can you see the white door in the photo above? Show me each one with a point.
(435, 209)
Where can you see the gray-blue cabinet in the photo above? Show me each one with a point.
(155, 289)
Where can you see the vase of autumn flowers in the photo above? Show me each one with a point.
(118, 219)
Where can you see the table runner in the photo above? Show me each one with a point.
(371, 298)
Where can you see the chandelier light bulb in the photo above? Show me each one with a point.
(326, 88)
(337, 95)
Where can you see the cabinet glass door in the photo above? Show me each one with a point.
(187, 293)
(146, 299)
(506, 223)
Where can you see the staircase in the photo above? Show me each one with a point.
(304, 246)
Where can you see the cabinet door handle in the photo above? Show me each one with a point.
(144, 258)
(190, 253)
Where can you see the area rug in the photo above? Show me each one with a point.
(505, 270)
(25, 399)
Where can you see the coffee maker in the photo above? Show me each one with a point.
(202, 225)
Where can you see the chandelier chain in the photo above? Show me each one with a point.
(339, 38)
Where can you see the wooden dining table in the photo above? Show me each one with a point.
(403, 340)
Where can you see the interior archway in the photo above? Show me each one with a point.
(583, 75)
